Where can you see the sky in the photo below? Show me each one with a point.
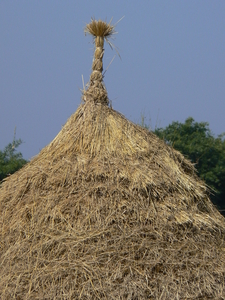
(172, 64)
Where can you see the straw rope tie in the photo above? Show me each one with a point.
(96, 91)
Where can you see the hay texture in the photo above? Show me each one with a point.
(109, 211)
(100, 31)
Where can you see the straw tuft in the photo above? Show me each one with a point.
(100, 28)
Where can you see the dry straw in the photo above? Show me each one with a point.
(109, 211)
(100, 31)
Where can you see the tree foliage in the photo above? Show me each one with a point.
(10, 159)
(196, 141)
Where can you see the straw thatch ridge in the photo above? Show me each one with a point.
(109, 211)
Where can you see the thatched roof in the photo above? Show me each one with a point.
(109, 211)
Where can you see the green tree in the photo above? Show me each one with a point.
(10, 159)
(196, 141)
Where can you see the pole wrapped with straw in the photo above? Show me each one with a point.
(100, 31)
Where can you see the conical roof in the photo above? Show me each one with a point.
(109, 211)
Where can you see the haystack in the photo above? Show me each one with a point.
(108, 211)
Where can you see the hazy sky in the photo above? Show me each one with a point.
(172, 63)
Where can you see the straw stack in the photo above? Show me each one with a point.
(108, 211)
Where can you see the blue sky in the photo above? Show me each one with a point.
(172, 64)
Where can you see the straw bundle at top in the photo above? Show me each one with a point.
(108, 211)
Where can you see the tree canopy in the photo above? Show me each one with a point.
(10, 159)
(196, 141)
